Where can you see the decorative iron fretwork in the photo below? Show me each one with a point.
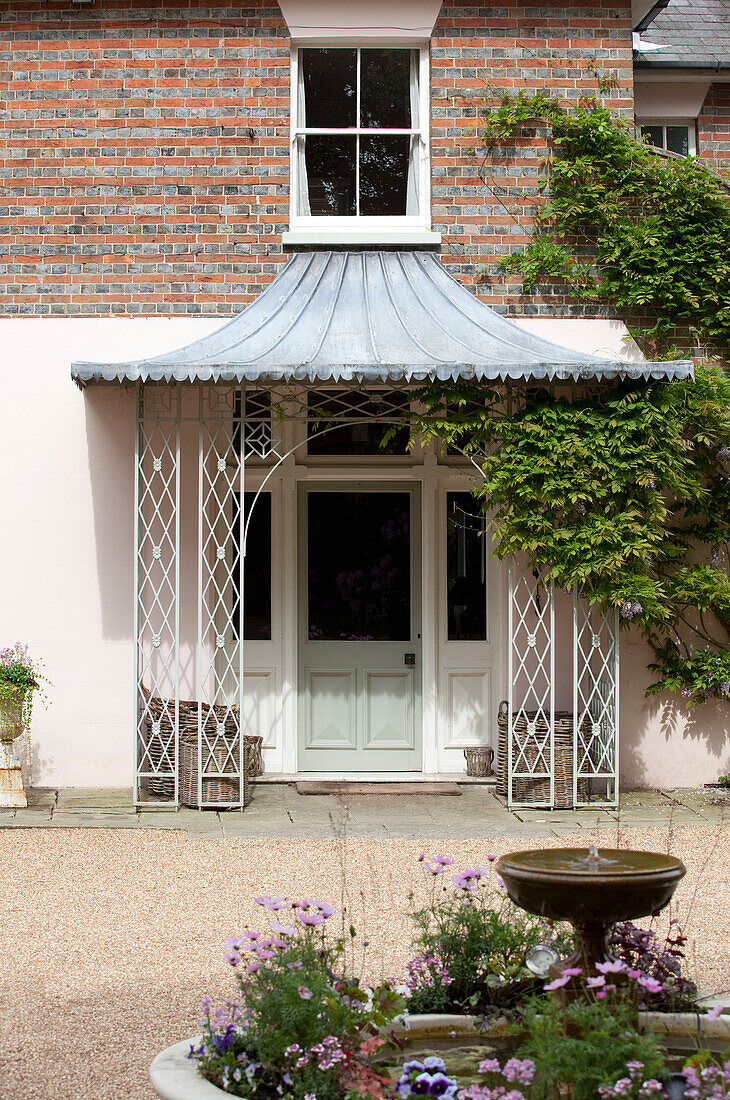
(157, 588)
(531, 676)
(595, 704)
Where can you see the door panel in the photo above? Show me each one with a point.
(388, 699)
(332, 698)
(359, 628)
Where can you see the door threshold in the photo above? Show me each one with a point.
(376, 777)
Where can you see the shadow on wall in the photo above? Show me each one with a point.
(707, 723)
(110, 443)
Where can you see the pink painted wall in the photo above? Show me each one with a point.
(67, 537)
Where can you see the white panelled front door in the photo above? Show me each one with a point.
(359, 628)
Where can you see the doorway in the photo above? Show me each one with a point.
(359, 628)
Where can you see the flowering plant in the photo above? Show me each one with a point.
(426, 1078)
(640, 949)
(709, 1082)
(472, 941)
(588, 1042)
(20, 676)
(298, 1028)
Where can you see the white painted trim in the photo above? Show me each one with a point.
(385, 235)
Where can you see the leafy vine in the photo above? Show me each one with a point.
(621, 222)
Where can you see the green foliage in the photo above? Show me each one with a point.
(481, 940)
(583, 1045)
(620, 492)
(656, 230)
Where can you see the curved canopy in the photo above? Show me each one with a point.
(370, 316)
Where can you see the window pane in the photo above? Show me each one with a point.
(331, 174)
(363, 438)
(654, 134)
(385, 99)
(465, 568)
(330, 87)
(359, 567)
(678, 140)
(256, 569)
(383, 174)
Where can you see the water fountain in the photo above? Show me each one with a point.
(592, 889)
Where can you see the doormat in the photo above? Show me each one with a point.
(336, 786)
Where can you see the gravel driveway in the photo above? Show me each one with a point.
(109, 938)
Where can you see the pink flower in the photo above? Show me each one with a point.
(557, 983)
(490, 1065)
(651, 985)
(271, 903)
(715, 1012)
(253, 968)
(615, 967)
(282, 929)
(596, 983)
(304, 993)
(601, 994)
(572, 971)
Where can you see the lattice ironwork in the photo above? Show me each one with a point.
(595, 704)
(157, 588)
(531, 676)
(220, 579)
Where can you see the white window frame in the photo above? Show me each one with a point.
(362, 229)
(690, 123)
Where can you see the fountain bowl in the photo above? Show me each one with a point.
(571, 884)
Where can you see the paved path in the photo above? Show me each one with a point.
(278, 810)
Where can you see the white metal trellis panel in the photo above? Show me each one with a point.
(220, 591)
(531, 675)
(595, 704)
(157, 592)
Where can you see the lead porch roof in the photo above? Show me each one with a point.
(369, 316)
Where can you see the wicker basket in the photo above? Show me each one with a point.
(479, 761)
(537, 790)
(161, 711)
(222, 790)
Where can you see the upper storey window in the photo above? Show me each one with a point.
(676, 137)
(359, 144)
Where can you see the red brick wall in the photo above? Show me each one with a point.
(713, 129)
(144, 150)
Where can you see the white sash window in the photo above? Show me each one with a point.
(359, 145)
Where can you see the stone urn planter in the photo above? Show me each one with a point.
(175, 1077)
(13, 702)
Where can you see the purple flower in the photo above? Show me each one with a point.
(271, 903)
(282, 929)
(490, 1065)
(436, 865)
(469, 879)
(715, 1012)
(304, 993)
(310, 918)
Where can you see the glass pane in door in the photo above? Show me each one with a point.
(359, 566)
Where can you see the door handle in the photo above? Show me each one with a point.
(409, 659)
